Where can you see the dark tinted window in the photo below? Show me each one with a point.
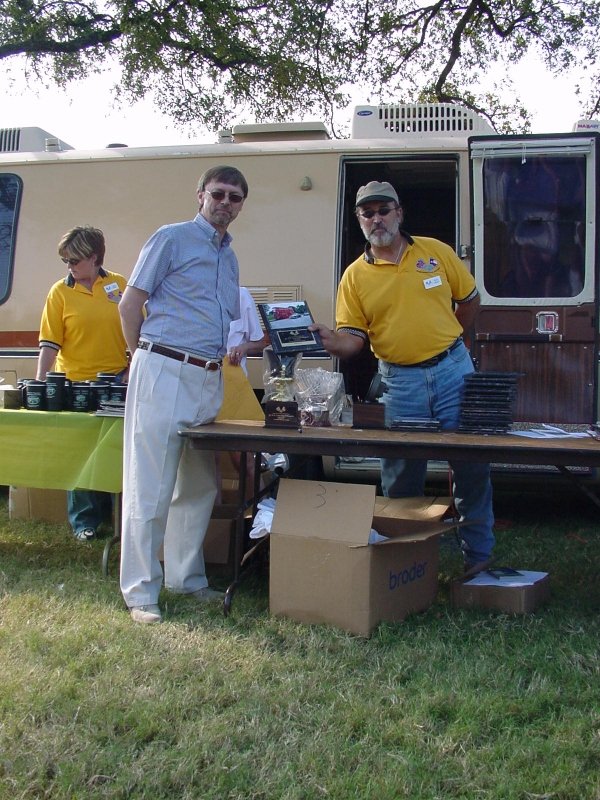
(11, 187)
(534, 230)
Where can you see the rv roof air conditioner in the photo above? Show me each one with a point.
(587, 125)
(280, 132)
(30, 140)
(405, 119)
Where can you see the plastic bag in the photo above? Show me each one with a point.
(320, 396)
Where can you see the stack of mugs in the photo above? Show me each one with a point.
(58, 393)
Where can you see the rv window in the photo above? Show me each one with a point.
(534, 231)
(10, 197)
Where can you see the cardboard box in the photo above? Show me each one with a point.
(10, 397)
(323, 569)
(511, 599)
(43, 504)
(218, 541)
(229, 491)
(229, 477)
(227, 468)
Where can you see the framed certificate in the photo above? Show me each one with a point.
(287, 325)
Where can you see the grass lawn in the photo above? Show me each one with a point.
(448, 704)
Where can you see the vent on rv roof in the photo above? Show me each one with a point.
(29, 140)
(435, 119)
(277, 132)
(587, 125)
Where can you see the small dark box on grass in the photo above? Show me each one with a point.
(513, 594)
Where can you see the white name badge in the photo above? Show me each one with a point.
(429, 283)
(113, 293)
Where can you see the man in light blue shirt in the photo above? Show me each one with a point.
(176, 311)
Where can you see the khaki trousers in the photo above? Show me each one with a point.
(169, 489)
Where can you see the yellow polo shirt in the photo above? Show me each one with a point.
(84, 327)
(406, 308)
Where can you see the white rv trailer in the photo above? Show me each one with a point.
(520, 210)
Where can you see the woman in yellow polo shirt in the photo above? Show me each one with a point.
(81, 335)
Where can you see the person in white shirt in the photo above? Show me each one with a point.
(245, 334)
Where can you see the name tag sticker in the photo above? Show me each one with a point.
(429, 283)
(112, 292)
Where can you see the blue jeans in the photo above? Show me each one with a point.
(87, 509)
(435, 393)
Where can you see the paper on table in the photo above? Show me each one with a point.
(526, 578)
(551, 432)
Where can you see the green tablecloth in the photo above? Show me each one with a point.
(61, 450)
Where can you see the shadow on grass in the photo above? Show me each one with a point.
(546, 531)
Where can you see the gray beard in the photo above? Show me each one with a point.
(381, 238)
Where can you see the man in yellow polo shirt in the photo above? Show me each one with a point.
(413, 300)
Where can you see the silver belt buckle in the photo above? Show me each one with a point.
(210, 362)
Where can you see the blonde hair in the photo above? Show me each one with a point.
(83, 242)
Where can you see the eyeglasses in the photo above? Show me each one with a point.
(72, 262)
(219, 194)
(368, 213)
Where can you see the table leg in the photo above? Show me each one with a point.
(238, 551)
(580, 485)
(240, 522)
(117, 532)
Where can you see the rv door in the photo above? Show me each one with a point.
(535, 263)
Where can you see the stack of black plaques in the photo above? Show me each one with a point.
(488, 402)
(415, 424)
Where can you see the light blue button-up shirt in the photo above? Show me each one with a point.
(192, 281)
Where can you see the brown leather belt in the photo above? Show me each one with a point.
(179, 356)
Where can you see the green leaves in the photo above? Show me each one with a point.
(208, 61)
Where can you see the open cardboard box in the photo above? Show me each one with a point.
(323, 569)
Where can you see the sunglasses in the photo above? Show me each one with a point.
(219, 194)
(72, 262)
(368, 213)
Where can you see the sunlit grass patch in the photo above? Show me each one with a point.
(447, 704)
